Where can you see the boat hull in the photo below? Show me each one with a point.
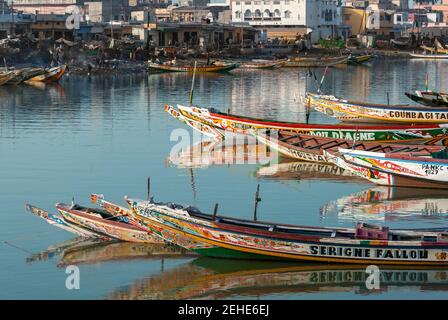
(314, 62)
(216, 124)
(430, 99)
(191, 69)
(362, 112)
(270, 247)
(404, 171)
(116, 230)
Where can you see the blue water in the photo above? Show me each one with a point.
(106, 134)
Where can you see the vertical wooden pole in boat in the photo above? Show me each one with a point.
(192, 84)
(256, 200)
(388, 98)
(427, 81)
(215, 211)
(322, 79)
(148, 188)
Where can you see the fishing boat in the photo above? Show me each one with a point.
(351, 111)
(102, 222)
(248, 239)
(190, 68)
(358, 59)
(428, 55)
(59, 222)
(215, 124)
(261, 64)
(22, 75)
(429, 98)
(311, 148)
(307, 62)
(6, 76)
(439, 47)
(403, 169)
(50, 75)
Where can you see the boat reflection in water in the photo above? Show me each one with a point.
(91, 251)
(208, 278)
(390, 203)
(296, 170)
(208, 153)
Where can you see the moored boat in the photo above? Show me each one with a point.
(6, 76)
(364, 244)
(311, 148)
(59, 222)
(351, 111)
(428, 55)
(429, 98)
(50, 75)
(403, 169)
(190, 68)
(264, 64)
(358, 59)
(22, 75)
(215, 124)
(308, 62)
(102, 222)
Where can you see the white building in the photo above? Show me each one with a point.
(290, 17)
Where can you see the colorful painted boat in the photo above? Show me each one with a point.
(102, 222)
(305, 62)
(50, 75)
(6, 76)
(365, 244)
(311, 148)
(197, 125)
(428, 56)
(404, 169)
(351, 111)
(429, 98)
(215, 124)
(59, 222)
(190, 68)
(358, 59)
(24, 74)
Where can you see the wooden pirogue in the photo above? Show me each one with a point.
(102, 222)
(214, 123)
(50, 75)
(313, 62)
(190, 68)
(6, 76)
(351, 111)
(231, 237)
(59, 222)
(155, 231)
(401, 169)
(429, 98)
(311, 148)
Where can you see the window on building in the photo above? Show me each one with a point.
(238, 14)
(257, 14)
(266, 13)
(287, 14)
(277, 13)
(247, 14)
(286, 2)
(298, 16)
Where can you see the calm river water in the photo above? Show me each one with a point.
(106, 134)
